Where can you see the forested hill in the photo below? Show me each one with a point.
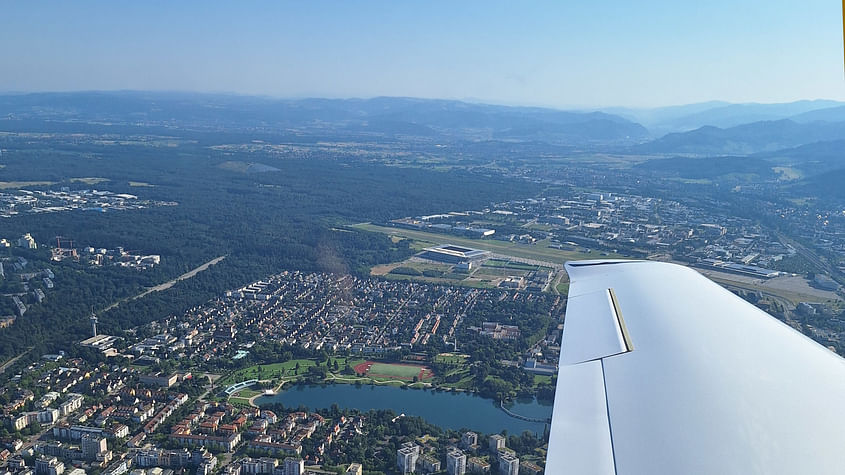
(765, 136)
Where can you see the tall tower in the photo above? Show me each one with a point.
(93, 324)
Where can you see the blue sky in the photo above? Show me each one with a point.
(556, 53)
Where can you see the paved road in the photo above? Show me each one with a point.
(393, 316)
(214, 378)
(554, 282)
(12, 361)
(35, 438)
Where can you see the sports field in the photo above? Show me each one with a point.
(394, 371)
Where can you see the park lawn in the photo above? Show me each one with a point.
(400, 371)
(511, 265)
(464, 383)
(239, 401)
(495, 272)
(540, 379)
(280, 370)
(495, 263)
(268, 371)
(450, 358)
(247, 393)
(563, 288)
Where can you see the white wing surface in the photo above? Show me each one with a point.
(664, 372)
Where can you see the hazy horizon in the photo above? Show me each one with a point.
(547, 54)
(714, 102)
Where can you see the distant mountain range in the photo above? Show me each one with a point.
(697, 129)
(811, 163)
(663, 120)
(764, 136)
(383, 116)
(706, 140)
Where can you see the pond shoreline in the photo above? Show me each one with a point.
(448, 409)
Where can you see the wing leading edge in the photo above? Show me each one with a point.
(711, 384)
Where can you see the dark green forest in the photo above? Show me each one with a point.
(293, 218)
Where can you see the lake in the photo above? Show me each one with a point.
(446, 409)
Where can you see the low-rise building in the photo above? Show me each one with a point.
(477, 465)
(294, 466)
(159, 379)
(49, 465)
(259, 466)
(428, 464)
(227, 443)
(72, 404)
(528, 468)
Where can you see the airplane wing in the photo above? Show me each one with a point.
(663, 371)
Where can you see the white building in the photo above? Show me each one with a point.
(73, 403)
(508, 463)
(49, 466)
(456, 462)
(469, 440)
(497, 442)
(27, 241)
(406, 457)
(294, 466)
(260, 466)
(48, 416)
(93, 446)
